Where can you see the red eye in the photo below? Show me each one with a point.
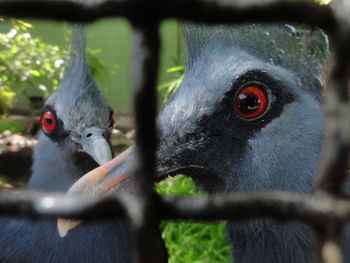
(48, 121)
(250, 102)
(112, 122)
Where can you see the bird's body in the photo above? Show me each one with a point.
(76, 125)
(25, 241)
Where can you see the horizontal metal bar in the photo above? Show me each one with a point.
(316, 209)
(205, 11)
(278, 205)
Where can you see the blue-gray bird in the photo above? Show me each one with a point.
(248, 117)
(76, 125)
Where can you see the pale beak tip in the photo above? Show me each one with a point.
(65, 225)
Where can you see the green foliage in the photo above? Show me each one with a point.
(13, 126)
(171, 86)
(179, 185)
(192, 242)
(6, 98)
(26, 61)
(96, 66)
(323, 2)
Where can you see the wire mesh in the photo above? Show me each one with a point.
(325, 208)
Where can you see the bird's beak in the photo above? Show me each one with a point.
(112, 176)
(94, 143)
(92, 183)
(98, 182)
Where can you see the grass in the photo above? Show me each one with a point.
(192, 242)
(13, 126)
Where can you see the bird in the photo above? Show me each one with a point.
(248, 116)
(76, 124)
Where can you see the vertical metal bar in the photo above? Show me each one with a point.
(145, 69)
(328, 245)
(148, 244)
(333, 171)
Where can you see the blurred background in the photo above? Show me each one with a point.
(109, 46)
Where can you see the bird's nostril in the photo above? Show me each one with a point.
(89, 135)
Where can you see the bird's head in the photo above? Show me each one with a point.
(78, 113)
(248, 115)
(76, 121)
(249, 110)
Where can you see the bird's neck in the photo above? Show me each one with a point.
(265, 241)
(55, 168)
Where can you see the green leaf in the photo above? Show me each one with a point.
(171, 86)
(27, 61)
(189, 242)
(35, 73)
(176, 69)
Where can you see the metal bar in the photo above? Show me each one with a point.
(316, 209)
(325, 209)
(333, 171)
(336, 149)
(328, 243)
(219, 11)
(148, 244)
(144, 77)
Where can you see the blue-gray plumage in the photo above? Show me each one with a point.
(76, 126)
(249, 117)
(289, 63)
(279, 150)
